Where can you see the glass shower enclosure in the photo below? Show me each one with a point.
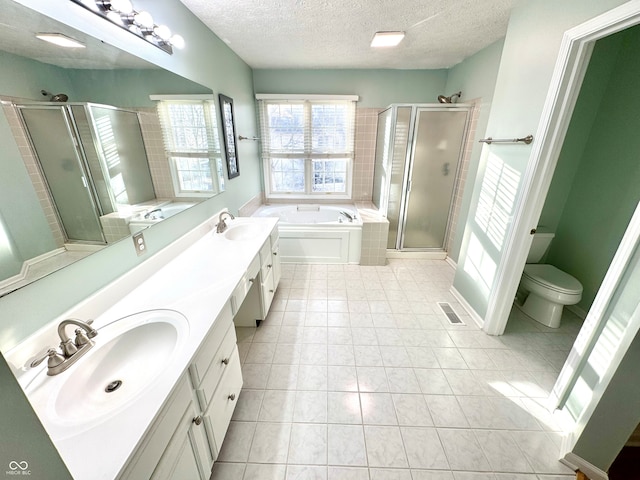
(417, 158)
(92, 160)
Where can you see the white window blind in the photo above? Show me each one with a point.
(307, 146)
(192, 146)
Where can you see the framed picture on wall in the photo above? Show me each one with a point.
(229, 128)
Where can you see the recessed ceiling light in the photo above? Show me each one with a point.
(387, 39)
(60, 40)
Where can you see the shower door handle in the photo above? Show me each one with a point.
(84, 181)
(409, 186)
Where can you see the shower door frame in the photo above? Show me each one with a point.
(81, 161)
(409, 166)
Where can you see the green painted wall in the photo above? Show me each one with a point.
(129, 88)
(475, 77)
(531, 46)
(376, 88)
(604, 142)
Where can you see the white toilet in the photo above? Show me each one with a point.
(545, 289)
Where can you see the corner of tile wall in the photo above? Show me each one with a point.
(375, 231)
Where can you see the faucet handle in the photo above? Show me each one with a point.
(53, 359)
(81, 339)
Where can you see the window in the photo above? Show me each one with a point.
(192, 145)
(307, 145)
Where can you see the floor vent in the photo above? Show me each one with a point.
(452, 316)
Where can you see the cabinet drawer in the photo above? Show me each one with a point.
(254, 268)
(221, 362)
(245, 283)
(224, 401)
(205, 354)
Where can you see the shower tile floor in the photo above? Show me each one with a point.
(357, 375)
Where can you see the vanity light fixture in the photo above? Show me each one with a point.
(387, 39)
(140, 23)
(60, 40)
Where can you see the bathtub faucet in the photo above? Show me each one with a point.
(349, 216)
(152, 214)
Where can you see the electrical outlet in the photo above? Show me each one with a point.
(138, 241)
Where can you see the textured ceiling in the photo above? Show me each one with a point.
(337, 33)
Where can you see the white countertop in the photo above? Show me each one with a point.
(194, 276)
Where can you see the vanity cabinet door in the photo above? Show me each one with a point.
(277, 268)
(268, 291)
(187, 456)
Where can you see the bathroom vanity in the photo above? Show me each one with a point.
(154, 396)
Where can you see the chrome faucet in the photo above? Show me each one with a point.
(150, 215)
(222, 226)
(70, 350)
(349, 216)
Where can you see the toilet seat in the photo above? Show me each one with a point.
(552, 278)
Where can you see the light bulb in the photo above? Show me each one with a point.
(177, 41)
(163, 32)
(144, 19)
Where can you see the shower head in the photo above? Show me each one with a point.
(449, 99)
(58, 97)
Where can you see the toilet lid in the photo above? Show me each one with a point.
(553, 278)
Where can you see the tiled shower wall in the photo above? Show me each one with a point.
(366, 125)
(154, 144)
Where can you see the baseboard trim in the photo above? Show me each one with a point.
(576, 463)
(451, 262)
(469, 309)
(27, 264)
(580, 312)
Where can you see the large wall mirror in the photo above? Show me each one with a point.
(83, 162)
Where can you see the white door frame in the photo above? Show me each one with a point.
(571, 65)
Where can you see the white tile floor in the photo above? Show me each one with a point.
(357, 375)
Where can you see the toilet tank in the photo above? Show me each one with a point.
(539, 246)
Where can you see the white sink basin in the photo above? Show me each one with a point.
(243, 231)
(129, 355)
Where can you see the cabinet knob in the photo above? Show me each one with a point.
(232, 397)
(225, 361)
(269, 265)
(275, 253)
(270, 291)
(251, 280)
(197, 420)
